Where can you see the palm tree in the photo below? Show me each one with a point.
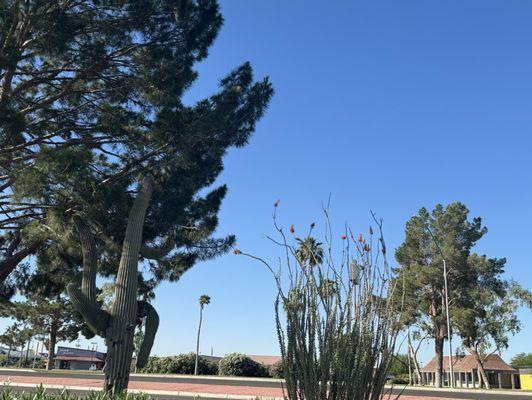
(203, 301)
(309, 251)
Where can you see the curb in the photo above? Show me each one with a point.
(213, 377)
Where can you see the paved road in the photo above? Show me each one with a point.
(464, 395)
(220, 385)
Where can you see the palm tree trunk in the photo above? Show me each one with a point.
(197, 342)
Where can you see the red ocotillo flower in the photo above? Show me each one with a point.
(292, 230)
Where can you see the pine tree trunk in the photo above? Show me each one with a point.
(438, 347)
(27, 351)
(197, 343)
(8, 355)
(51, 347)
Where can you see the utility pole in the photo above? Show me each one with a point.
(451, 374)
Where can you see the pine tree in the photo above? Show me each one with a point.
(90, 98)
(54, 318)
(44, 307)
(420, 276)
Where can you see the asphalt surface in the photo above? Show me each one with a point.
(459, 395)
(495, 395)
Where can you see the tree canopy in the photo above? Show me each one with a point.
(91, 98)
(522, 360)
(488, 312)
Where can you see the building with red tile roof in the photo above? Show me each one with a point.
(465, 370)
(266, 360)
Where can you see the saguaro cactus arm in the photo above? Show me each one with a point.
(151, 326)
(90, 259)
(84, 300)
(96, 318)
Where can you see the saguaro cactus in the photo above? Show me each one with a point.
(117, 326)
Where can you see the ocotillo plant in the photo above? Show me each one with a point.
(117, 326)
(336, 321)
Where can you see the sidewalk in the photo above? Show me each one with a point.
(189, 387)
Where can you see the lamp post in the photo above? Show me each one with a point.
(451, 377)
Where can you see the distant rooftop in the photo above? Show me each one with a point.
(467, 363)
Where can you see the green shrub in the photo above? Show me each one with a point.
(402, 379)
(180, 364)
(4, 362)
(277, 370)
(236, 364)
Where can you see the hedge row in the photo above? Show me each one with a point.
(234, 364)
(180, 364)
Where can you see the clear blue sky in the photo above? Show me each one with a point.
(386, 105)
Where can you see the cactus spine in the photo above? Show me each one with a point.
(118, 325)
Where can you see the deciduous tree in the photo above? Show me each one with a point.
(488, 312)
(521, 360)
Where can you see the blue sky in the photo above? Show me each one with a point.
(384, 105)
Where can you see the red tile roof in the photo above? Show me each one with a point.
(266, 360)
(468, 362)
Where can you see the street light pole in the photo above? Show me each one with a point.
(451, 373)
(94, 344)
(448, 324)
